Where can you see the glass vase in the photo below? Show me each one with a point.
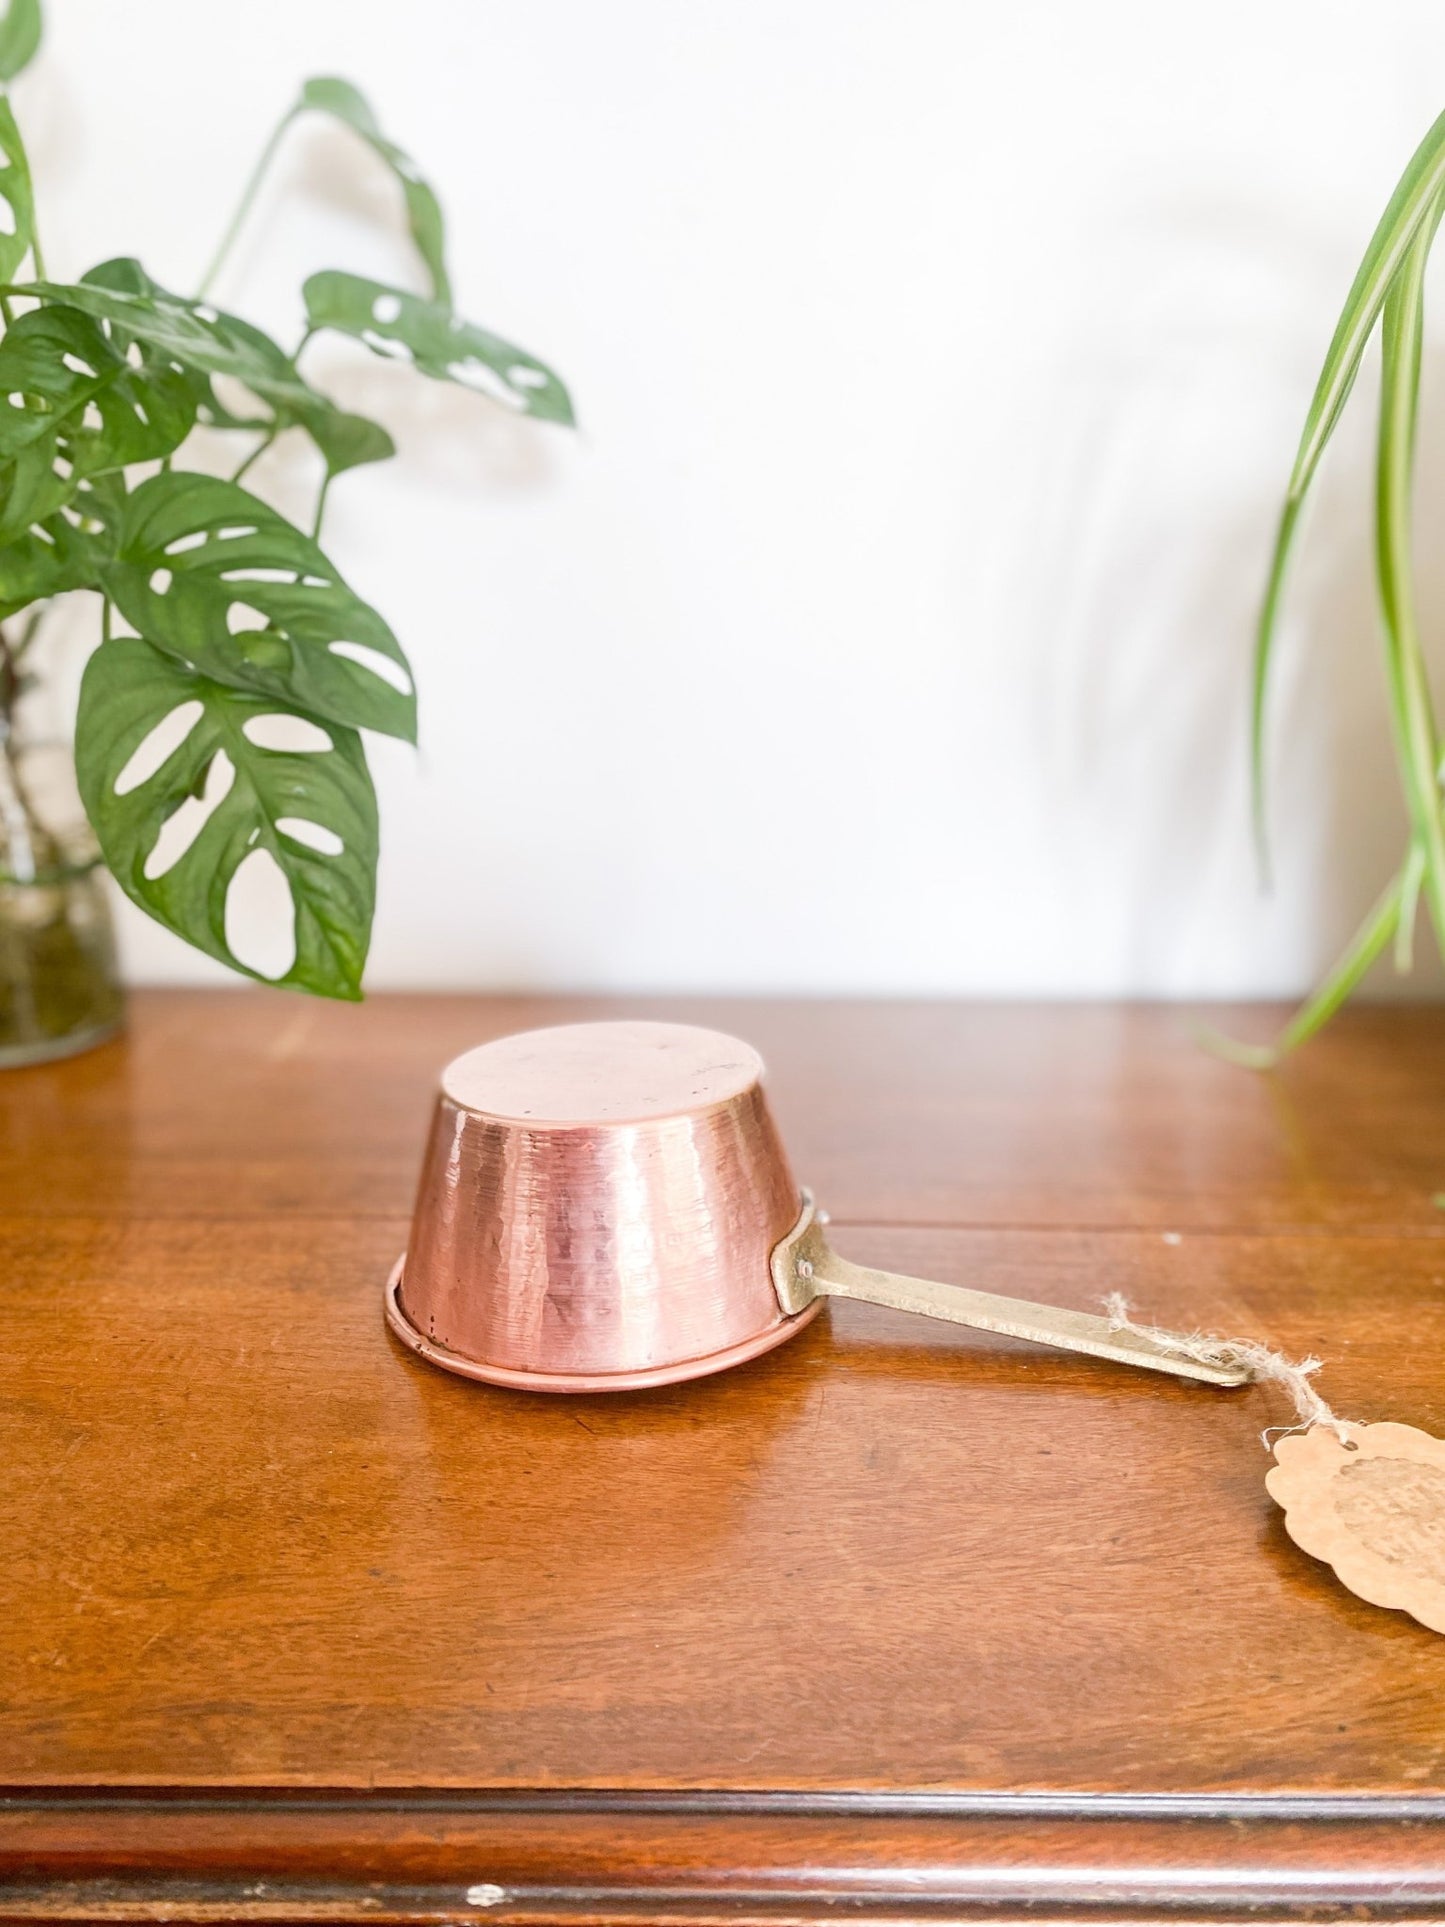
(59, 988)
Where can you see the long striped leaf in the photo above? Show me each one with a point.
(1411, 711)
(1409, 207)
(1412, 879)
(1364, 947)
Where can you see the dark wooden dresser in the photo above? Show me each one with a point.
(901, 1621)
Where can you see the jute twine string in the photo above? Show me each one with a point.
(1262, 1364)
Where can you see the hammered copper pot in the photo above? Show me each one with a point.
(609, 1206)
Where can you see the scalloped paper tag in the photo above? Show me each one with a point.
(1372, 1505)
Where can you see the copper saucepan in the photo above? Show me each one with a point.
(609, 1206)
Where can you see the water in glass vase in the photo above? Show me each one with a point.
(59, 990)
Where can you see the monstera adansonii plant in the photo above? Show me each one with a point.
(236, 666)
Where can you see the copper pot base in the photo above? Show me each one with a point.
(639, 1381)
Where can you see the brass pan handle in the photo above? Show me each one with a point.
(805, 1267)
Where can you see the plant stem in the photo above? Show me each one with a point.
(20, 848)
(320, 506)
(9, 680)
(253, 187)
(27, 634)
(26, 849)
(257, 452)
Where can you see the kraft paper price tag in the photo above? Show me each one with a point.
(1372, 1505)
(1367, 1499)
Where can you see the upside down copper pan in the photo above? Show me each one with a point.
(609, 1206)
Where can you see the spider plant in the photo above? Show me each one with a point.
(1388, 290)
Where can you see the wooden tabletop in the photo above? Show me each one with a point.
(902, 1616)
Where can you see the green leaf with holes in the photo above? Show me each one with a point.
(198, 341)
(125, 274)
(405, 327)
(46, 561)
(20, 26)
(328, 95)
(31, 488)
(286, 802)
(215, 577)
(63, 384)
(72, 408)
(52, 362)
(189, 332)
(17, 200)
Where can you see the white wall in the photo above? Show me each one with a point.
(940, 365)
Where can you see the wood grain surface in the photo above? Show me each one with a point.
(901, 1616)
